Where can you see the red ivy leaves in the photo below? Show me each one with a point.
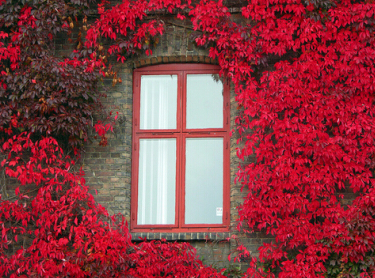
(51, 226)
(101, 129)
(312, 134)
(303, 73)
(309, 121)
(65, 232)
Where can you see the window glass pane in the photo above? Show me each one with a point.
(157, 181)
(158, 102)
(204, 181)
(204, 97)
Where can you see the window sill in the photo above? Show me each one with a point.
(180, 236)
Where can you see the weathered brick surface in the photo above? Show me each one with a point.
(213, 253)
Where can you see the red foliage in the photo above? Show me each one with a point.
(303, 73)
(102, 128)
(61, 231)
(49, 94)
(309, 122)
(51, 226)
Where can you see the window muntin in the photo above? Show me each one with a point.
(194, 189)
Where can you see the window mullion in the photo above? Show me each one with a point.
(180, 149)
(180, 181)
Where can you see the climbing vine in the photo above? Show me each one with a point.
(303, 74)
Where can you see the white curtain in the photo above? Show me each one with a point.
(157, 181)
(158, 102)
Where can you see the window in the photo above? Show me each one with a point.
(180, 179)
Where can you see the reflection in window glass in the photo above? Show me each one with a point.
(204, 181)
(158, 101)
(204, 97)
(157, 181)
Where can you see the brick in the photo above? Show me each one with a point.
(105, 173)
(96, 186)
(101, 198)
(153, 60)
(120, 199)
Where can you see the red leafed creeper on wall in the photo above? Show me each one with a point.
(50, 224)
(303, 73)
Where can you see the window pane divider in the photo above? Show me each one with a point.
(151, 133)
(166, 133)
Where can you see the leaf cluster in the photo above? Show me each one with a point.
(303, 73)
(51, 226)
(45, 93)
(59, 230)
(307, 118)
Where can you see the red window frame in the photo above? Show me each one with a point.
(180, 133)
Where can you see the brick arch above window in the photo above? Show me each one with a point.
(180, 161)
(196, 59)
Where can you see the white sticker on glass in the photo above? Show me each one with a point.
(219, 211)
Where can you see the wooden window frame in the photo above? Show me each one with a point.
(180, 133)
